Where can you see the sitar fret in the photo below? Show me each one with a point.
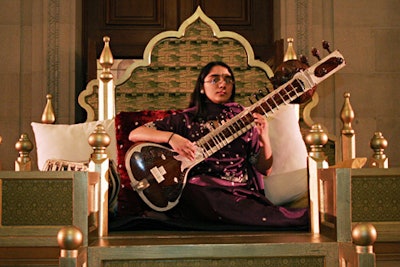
(266, 107)
(281, 100)
(226, 133)
(272, 104)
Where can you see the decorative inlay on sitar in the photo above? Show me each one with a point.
(159, 174)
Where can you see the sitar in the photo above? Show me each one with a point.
(159, 174)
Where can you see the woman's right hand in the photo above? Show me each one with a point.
(183, 146)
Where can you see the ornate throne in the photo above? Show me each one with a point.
(150, 88)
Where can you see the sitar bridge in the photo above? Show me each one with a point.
(158, 173)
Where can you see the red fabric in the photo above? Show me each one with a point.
(125, 122)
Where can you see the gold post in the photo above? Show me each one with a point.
(69, 239)
(378, 144)
(24, 146)
(99, 163)
(48, 115)
(364, 236)
(106, 84)
(315, 139)
(348, 137)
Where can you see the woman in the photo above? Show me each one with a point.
(227, 186)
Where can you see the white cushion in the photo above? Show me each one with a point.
(286, 187)
(288, 179)
(69, 142)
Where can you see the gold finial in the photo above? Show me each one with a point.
(378, 144)
(347, 116)
(99, 140)
(364, 236)
(69, 239)
(348, 141)
(290, 53)
(106, 61)
(316, 139)
(48, 116)
(24, 146)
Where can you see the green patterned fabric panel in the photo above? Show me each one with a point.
(230, 262)
(175, 64)
(26, 202)
(376, 199)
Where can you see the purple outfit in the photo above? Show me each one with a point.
(226, 187)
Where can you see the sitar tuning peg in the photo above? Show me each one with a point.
(304, 60)
(257, 96)
(212, 124)
(251, 100)
(326, 46)
(315, 53)
(261, 93)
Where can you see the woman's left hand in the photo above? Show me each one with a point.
(262, 127)
(264, 162)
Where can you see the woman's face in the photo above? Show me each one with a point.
(218, 85)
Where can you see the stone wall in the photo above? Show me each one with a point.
(39, 50)
(367, 34)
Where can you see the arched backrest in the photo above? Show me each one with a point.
(165, 77)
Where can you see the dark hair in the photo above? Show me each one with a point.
(199, 99)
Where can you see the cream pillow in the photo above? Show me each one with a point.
(286, 187)
(288, 179)
(69, 142)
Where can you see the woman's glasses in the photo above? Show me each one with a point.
(215, 79)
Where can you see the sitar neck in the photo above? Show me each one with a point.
(300, 83)
(244, 121)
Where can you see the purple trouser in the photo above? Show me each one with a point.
(208, 199)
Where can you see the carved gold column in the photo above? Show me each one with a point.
(106, 83)
(378, 144)
(69, 239)
(364, 236)
(315, 139)
(48, 115)
(24, 146)
(348, 141)
(99, 163)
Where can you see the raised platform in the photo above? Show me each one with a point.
(213, 249)
(23, 244)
